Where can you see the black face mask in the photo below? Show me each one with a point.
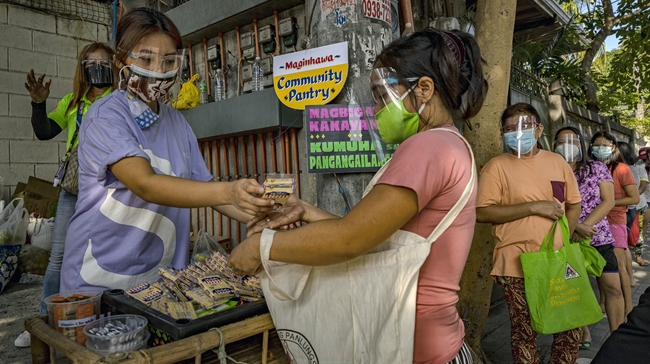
(99, 76)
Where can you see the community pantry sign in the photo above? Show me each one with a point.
(311, 77)
(338, 139)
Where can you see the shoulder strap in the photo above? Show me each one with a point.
(464, 198)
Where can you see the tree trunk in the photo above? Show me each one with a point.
(588, 86)
(495, 23)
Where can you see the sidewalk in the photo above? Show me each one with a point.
(496, 335)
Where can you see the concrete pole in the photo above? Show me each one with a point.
(366, 38)
(495, 22)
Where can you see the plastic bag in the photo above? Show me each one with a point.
(13, 223)
(189, 96)
(204, 246)
(594, 262)
(40, 232)
(33, 260)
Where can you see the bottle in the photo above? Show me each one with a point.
(257, 75)
(203, 89)
(219, 86)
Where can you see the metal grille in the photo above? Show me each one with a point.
(88, 10)
(528, 83)
(248, 156)
(165, 5)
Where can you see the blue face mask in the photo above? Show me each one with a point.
(140, 111)
(522, 145)
(601, 153)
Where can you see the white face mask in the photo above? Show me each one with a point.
(570, 152)
(148, 85)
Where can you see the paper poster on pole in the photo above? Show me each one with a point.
(338, 139)
(311, 77)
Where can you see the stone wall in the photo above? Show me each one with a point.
(49, 44)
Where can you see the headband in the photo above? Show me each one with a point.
(456, 45)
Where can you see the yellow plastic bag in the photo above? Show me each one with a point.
(189, 95)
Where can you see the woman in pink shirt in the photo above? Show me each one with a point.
(425, 178)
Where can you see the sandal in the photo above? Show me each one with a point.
(641, 262)
(585, 345)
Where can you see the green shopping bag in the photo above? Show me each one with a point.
(558, 291)
(594, 262)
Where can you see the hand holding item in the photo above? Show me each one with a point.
(583, 231)
(244, 197)
(294, 212)
(245, 258)
(37, 90)
(548, 209)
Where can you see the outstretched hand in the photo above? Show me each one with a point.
(38, 92)
(245, 259)
(244, 197)
(293, 214)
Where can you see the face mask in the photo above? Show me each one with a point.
(141, 112)
(99, 76)
(570, 152)
(524, 144)
(601, 153)
(147, 85)
(395, 123)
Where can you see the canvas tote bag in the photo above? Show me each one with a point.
(360, 311)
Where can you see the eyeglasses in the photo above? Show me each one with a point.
(96, 62)
(153, 61)
(525, 125)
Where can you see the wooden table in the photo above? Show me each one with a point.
(244, 338)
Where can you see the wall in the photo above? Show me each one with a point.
(49, 44)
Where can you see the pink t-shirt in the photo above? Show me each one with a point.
(437, 166)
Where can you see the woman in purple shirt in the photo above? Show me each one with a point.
(140, 170)
(597, 191)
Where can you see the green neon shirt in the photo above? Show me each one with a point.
(68, 120)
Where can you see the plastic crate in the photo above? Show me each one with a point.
(165, 328)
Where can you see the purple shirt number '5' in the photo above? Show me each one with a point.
(115, 239)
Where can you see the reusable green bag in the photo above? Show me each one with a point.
(558, 291)
(594, 262)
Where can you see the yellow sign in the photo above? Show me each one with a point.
(310, 77)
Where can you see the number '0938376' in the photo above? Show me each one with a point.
(377, 9)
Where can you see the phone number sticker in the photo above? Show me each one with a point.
(377, 9)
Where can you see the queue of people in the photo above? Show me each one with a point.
(140, 171)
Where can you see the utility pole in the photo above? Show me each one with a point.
(366, 38)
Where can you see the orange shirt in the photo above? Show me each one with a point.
(506, 180)
(622, 177)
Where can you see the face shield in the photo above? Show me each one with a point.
(153, 72)
(569, 147)
(98, 69)
(519, 135)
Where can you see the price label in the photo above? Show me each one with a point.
(377, 9)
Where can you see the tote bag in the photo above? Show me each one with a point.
(360, 311)
(558, 291)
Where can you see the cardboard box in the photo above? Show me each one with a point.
(40, 196)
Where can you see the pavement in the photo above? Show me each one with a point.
(20, 301)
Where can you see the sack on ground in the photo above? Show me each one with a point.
(33, 260)
(13, 223)
(558, 290)
(40, 232)
(594, 262)
(8, 263)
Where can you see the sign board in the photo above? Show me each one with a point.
(338, 139)
(311, 77)
(377, 9)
